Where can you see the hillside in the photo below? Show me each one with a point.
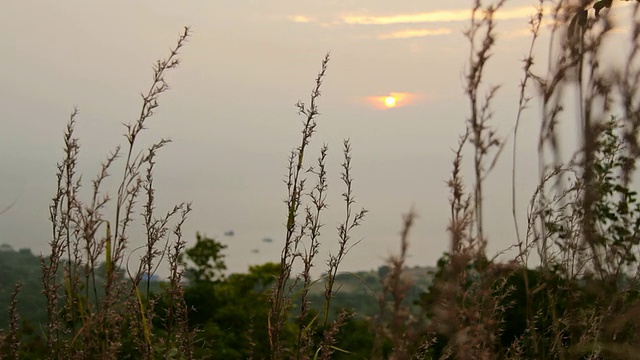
(357, 291)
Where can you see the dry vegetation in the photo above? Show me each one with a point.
(570, 292)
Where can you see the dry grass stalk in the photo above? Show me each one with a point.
(87, 315)
(280, 300)
(10, 340)
(396, 322)
(302, 240)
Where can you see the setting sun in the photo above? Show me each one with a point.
(390, 101)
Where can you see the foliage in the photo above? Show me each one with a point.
(578, 290)
(21, 267)
(207, 259)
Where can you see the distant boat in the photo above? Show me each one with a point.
(255, 251)
(267, 240)
(229, 233)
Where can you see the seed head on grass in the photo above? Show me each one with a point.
(85, 315)
(295, 231)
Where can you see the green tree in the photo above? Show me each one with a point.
(229, 312)
(204, 261)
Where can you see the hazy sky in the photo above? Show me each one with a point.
(231, 111)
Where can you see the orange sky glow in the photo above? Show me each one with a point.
(384, 101)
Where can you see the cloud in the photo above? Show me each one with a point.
(435, 17)
(300, 19)
(414, 33)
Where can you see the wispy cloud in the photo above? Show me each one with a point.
(414, 33)
(434, 17)
(300, 19)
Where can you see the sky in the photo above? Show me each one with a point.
(231, 115)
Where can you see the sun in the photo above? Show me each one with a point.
(389, 101)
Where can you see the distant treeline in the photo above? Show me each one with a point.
(357, 290)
